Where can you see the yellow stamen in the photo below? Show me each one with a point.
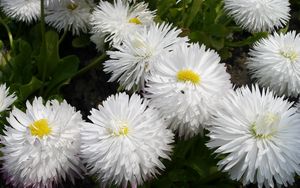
(135, 20)
(188, 76)
(40, 128)
(123, 130)
(72, 6)
(291, 55)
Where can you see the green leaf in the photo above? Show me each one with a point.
(248, 41)
(1, 45)
(29, 88)
(48, 58)
(195, 167)
(217, 43)
(81, 41)
(217, 30)
(21, 62)
(177, 175)
(195, 8)
(66, 69)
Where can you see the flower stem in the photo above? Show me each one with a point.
(91, 65)
(43, 47)
(63, 36)
(10, 37)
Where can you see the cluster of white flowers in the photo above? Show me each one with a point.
(185, 87)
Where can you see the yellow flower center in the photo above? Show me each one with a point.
(122, 129)
(135, 20)
(188, 76)
(265, 126)
(72, 6)
(40, 128)
(290, 54)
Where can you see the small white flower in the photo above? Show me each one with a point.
(125, 142)
(186, 87)
(71, 15)
(134, 60)
(259, 134)
(259, 15)
(275, 63)
(41, 146)
(5, 98)
(22, 10)
(119, 20)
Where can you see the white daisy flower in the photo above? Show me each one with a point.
(259, 134)
(71, 15)
(5, 98)
(275, 63)
(125, 142)
(22, 10)
(259, 15)
(134, 60)
(41, 146)
(119, 20)
(186, 87)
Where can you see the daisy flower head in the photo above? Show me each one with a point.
(186, 87)
(41, 145)
(259, 134)
(22, 10)
(134, 60)
(71, 15)
(125, 141)
(275, 63)
(259, 15)
(118, 20)
(6, 99)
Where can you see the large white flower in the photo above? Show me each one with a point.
(6, 99)
(72, 15)
(125, 142)
(259, 15)
(22, 10)
(41, 146)
(186, 87)
(275, 63)
(259, 134)
(134, 60)
(119, 20)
